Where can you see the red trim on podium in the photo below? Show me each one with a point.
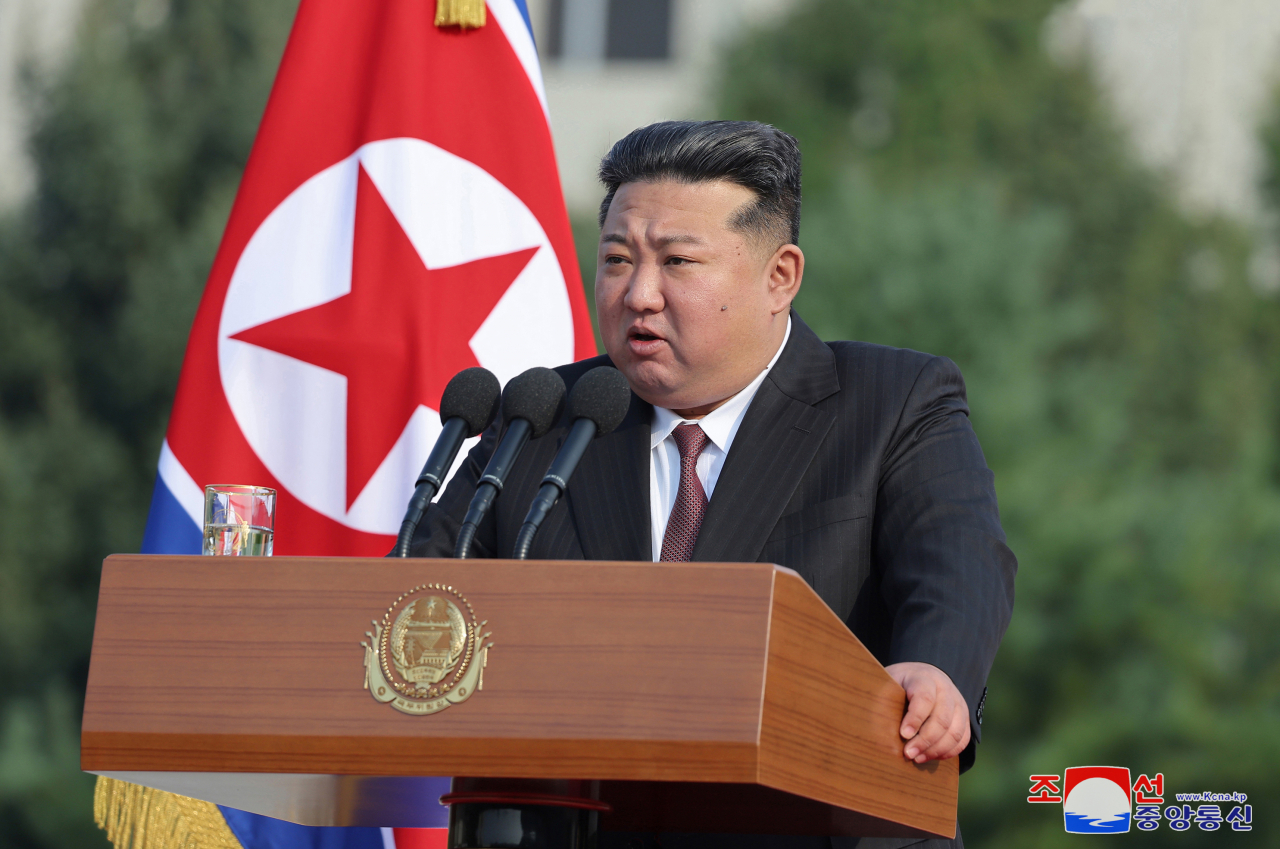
(482, 798)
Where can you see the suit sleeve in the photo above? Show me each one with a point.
(946, 574)
(438, 531)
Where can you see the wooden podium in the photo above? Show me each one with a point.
(704, 697)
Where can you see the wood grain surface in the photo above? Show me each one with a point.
(720, 674)
(829, 728)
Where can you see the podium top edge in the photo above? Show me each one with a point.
(340, 558)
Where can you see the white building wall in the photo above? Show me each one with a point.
(34, 36)
(594, 102)
(1191, 80)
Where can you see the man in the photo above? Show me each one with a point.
(749, 439)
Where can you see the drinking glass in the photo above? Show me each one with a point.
(239, 520)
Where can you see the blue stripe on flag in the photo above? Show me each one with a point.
(169, 528)
(256, 832)
(524, 13)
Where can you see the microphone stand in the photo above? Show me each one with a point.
(554, 484)
(504, 457)
(428, 483)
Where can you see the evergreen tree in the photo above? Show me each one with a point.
(968, 196)
(139, 147)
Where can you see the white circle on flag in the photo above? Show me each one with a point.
(294, 414)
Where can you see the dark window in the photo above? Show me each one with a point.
(634, 29)
(639, 29)
(554, 46)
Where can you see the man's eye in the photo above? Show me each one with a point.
(677, 260)
(614, 260)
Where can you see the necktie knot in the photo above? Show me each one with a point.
(690, 440)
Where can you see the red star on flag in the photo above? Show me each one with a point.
(398, 336)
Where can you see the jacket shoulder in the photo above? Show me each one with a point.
(570, 372)
(886, 375)
(855, 356)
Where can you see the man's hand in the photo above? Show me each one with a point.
(937, 722)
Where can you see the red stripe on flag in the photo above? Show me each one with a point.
(421, 838)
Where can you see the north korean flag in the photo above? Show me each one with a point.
(400, 219)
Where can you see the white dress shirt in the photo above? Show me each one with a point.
(720, 426)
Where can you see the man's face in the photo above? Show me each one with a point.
(690, 309)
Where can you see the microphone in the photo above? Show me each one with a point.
(598, 404)
(469, 403)
(531, 405)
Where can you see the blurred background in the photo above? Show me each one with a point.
(1078, 202)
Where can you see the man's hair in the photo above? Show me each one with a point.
(756, 156)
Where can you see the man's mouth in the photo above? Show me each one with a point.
(643, 340)
(643, 334)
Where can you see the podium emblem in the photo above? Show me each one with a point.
(428, 651)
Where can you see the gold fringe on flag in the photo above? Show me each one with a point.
(460, 13)
(136, 817)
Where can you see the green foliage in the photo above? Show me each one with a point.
(1271, 148)
(586, 241)
(139, 146)
(967, 196)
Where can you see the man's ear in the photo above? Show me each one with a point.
(786, 271)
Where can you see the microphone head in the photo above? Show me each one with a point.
(603, 396)
(472, 395)
(537, 396)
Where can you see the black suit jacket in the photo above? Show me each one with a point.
(855, 465)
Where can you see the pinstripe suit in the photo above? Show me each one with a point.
(855, 465)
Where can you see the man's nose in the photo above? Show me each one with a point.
(644, 290)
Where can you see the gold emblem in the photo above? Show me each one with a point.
(427, 652)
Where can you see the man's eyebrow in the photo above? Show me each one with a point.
(679, 239)
(674, 239)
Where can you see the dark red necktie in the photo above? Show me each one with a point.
(691, 498)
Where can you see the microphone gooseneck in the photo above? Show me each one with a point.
(597, 405)
(531, 405)
(469, 403)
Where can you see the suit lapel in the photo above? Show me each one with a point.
(772, 451)
(770, 454)
(609, 491)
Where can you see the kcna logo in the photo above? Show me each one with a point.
(356, 300)
(1097, 800)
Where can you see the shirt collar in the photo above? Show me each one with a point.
(718, 425)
